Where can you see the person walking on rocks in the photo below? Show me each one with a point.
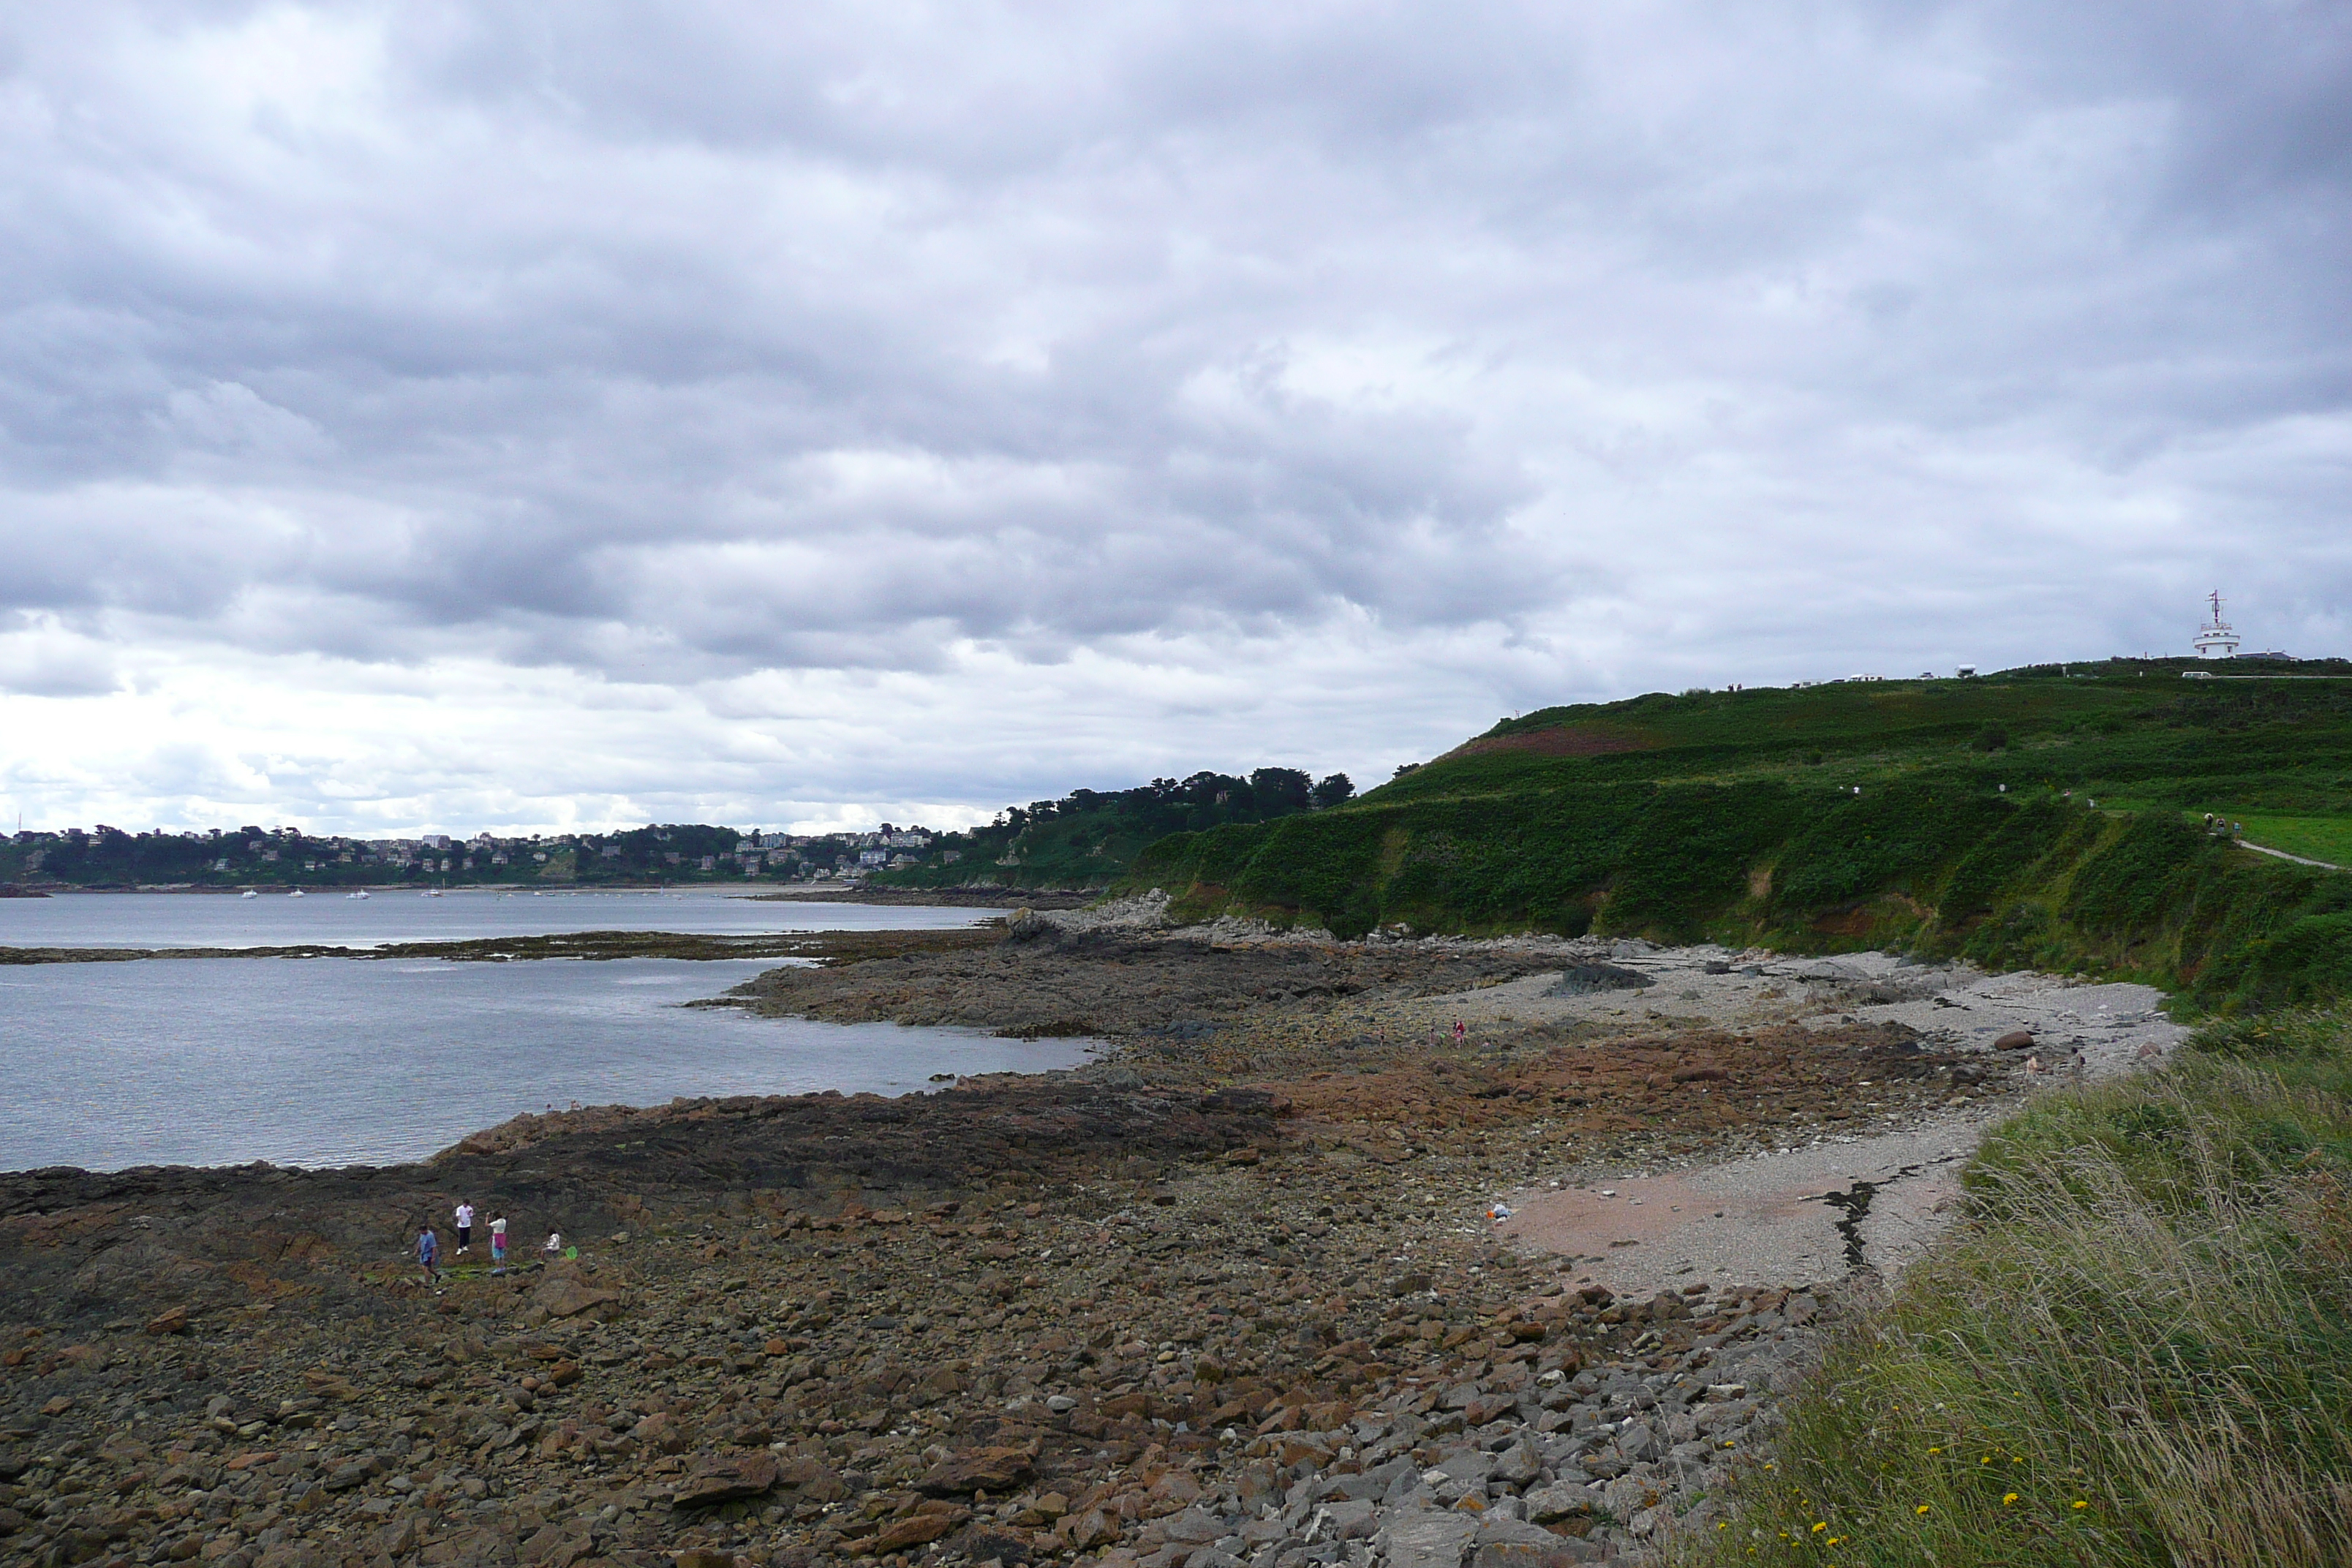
(465, 1227)
(429, 1251)
(498, 1241)
(1460, 1031)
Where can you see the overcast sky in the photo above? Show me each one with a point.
(448, 415)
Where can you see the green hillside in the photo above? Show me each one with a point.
(2044, 816)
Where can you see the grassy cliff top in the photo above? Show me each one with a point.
(2250, 741)
(2055, 818)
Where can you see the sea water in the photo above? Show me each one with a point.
(332, 919)
(339, 1061)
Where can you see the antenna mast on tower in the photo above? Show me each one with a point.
(2216, 641)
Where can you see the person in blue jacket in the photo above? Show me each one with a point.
(428, 1250)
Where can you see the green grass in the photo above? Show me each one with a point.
(2138, 1352)
(2318, 837)
(2328, 838)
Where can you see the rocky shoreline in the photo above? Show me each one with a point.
(972, 896)
(1234, 1298)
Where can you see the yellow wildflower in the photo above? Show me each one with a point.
(1921, 1508)
(2010, 1499)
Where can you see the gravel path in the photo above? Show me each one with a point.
(2283, 855)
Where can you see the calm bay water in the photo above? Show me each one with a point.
(339, 1061)
(277, 920)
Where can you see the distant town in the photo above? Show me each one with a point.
(254, 856)
(1083, 839)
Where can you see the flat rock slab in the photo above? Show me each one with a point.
(917, 1529)
(994, 1470)
(725, 1480)
(569, 1298)
(1427, 1539)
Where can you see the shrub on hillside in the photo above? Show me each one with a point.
(2019, 836)
(1690, 853)
(1886, 839)
(2310, 961)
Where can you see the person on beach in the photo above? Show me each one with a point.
(429, 1251)
(465, 1227)
(1460, 1031)
(499, 1242)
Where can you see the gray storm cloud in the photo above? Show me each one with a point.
(1178, 385)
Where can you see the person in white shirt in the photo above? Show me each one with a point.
(554, 1242)
(464, 1226)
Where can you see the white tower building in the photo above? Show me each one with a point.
(2216, 641)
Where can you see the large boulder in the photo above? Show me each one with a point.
(1593, 979)
(1349, 1520)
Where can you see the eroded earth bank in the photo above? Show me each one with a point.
(1233, 1295)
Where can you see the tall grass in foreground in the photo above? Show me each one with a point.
(2138, 1352)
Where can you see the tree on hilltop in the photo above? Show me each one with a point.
(1331, 791)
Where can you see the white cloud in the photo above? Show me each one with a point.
(41, 658)
(442, 410)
